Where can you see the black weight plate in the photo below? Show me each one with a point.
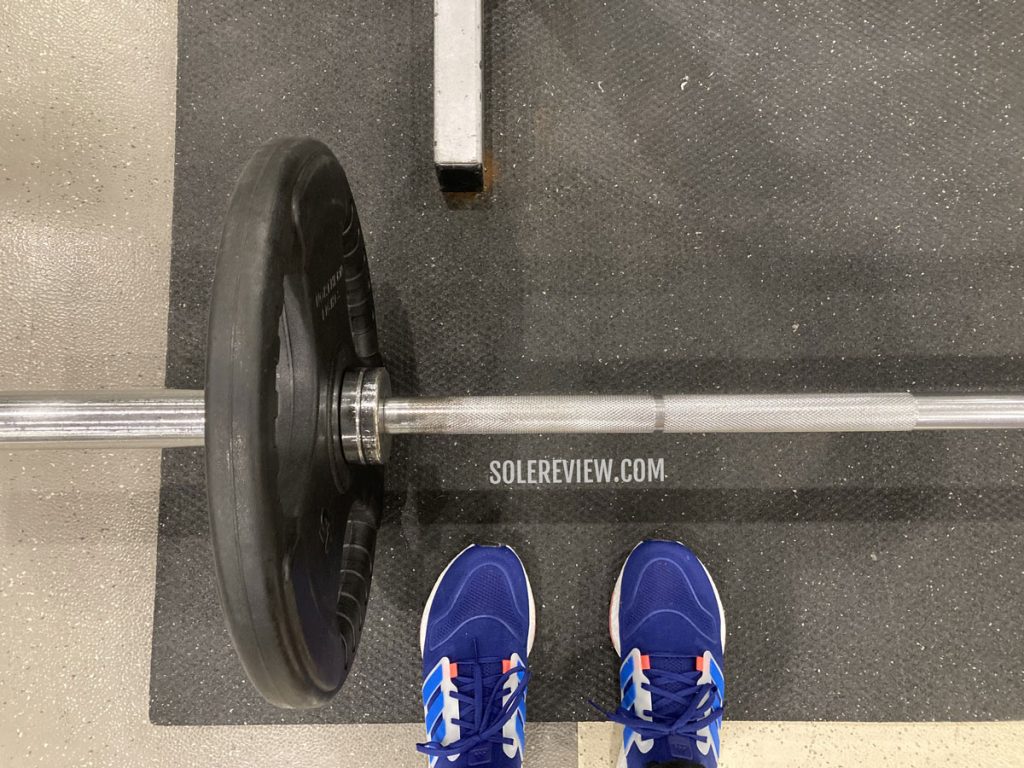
(293, 525)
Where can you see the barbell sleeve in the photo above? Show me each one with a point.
(140, 418)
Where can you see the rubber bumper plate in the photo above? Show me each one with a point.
(294, 526)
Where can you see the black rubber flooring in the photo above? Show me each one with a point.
(693, 197)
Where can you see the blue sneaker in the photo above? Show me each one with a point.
(668, 627)
(475, 636)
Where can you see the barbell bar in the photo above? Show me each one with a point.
(369, 415)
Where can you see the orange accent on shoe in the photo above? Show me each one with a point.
(506, 665)
(453, 670)
(700, 663)
(645, 662)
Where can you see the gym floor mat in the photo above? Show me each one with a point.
(714, 197)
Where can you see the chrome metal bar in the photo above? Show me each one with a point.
(142, 418)
(970, 412)
(537, 414)
(171, 418)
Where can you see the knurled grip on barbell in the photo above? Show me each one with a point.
(639, 414)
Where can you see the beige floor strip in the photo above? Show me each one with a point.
(840, 745)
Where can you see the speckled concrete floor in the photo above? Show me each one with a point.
(86, 167)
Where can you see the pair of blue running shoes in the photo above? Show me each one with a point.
(666, 623)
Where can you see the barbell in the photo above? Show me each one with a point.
(369, 415)
(297, 416)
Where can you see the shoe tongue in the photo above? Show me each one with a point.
(482, 755)
(681, 750)
(490, 671)
(491, 667)
(680, 665)
(666, 709)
